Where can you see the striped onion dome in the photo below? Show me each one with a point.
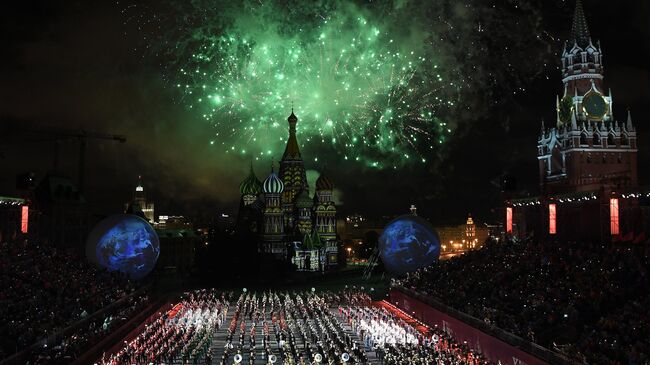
(273, 184)
(324, 183)
(251, 185)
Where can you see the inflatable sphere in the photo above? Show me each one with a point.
(407, 244)
(124, 243)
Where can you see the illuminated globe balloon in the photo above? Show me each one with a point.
(124, 243)
(407, 244)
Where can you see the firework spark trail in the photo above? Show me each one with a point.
(381, 82)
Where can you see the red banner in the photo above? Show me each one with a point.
(24, 219)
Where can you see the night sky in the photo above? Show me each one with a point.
(102, 66)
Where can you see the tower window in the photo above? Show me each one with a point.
(557, 163)
(610, 140)
(596, 139)
(624, 140)
(583, 139)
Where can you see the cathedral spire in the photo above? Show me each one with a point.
(579, 29)
(292, 151)
(272, 164)
(292, 173)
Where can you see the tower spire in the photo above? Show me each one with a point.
(579, 29)
(139, 187)
(292, 151)
(628, 125)
(574, 121)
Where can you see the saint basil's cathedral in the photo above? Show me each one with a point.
(285, 219)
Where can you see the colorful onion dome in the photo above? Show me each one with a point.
(303, 200)
(273, 184)
(251, 185)
(324, 183)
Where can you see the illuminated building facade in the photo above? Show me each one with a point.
(177, 222)
(463, 237)
(585, 160)
(360, 234)
(290, 223)
(140, 202)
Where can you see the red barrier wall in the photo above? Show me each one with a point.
(136, 331)
(492, 348)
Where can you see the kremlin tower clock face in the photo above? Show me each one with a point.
(594, 105)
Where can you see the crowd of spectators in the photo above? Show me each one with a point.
(45, 290)
(587, 300)
(71, 346)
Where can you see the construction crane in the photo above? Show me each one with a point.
(27, 135)
(82, 136)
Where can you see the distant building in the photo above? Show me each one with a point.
(360, 234)
(140, 202)
(224, 222)
(463, 237)
(587, 159)
(357, 226)
(173, 222)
